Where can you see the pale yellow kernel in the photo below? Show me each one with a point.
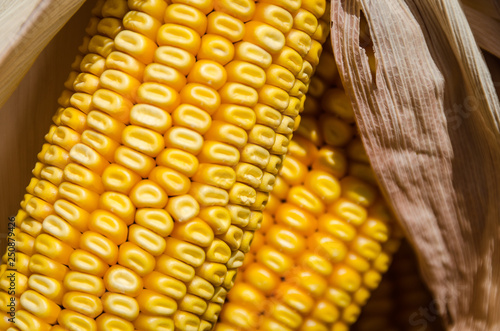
(111, 322)
(157, 220)
(120, 179)
(77, 281)
(218, 251)
(119, 204)
(175, 268)
(192, 117)
(135, 258)
(274, 260)
(175, 58)
(185, 252)
(136, 45)
(186, 15)
(225, 25)
(227, 133)
(209, 73)
(155, 8)
(164, 284)
(219, 153)
(183, 208)
(84, 261)
(216, 48)
(250, 52)
(126, 63)
(100, 246)
(120, 305)
(158, 95)
(141, 23)
(179, 36)
(218, 218)
(184, 139)
(147, 193)
(179, 160)
(120, 83)
(60, 229)
(201, 96)
(83, 303)
(216, 175)
(105, 124)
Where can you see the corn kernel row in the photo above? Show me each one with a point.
(39, 274)
(401, 302)
(147, 194)
(326, 236)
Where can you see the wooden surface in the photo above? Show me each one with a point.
(26, 27)
(26, 116)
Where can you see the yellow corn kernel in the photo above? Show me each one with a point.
(146, 239)
(216, 48)
(152, 323)
(157, 304)
(57, 227)
(27, 321)
(175, 268)
(147, 193)
(349, 211)
(157, 220)
(136, 161)
(110, 322)
(40, 306)
(119, 204)
(108, 225)
(155, 8)
(169, 286)
(132, 256)
(185, 252)
(179, 36)
(72, 118)
(358, 191)
(141, 23)
(218, 218)
(201, 96)
(84, 177)
(100, 246)
(122, 280)
(113, 103)
(274, 260)
(77, 281)
(338, 228)
(183, 208)
(186, 321)
(209, 73)
(186, 15)
(184, 139)
(136, 45)
(179, 160)
(84, 261)
(173, 182)
(82, 197)
(105, 124)
(226, 26)
(88, 157)
(207, 195)
(126, 63)
(158, 95)
(119, 179)
(120, 305)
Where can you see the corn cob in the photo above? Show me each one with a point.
(173, 125)
(327, 236)
(401, 302)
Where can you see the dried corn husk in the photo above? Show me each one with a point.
(430, 121)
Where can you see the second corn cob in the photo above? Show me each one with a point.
(173, 126)
(327, 235)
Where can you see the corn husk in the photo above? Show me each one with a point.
(430, 120)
